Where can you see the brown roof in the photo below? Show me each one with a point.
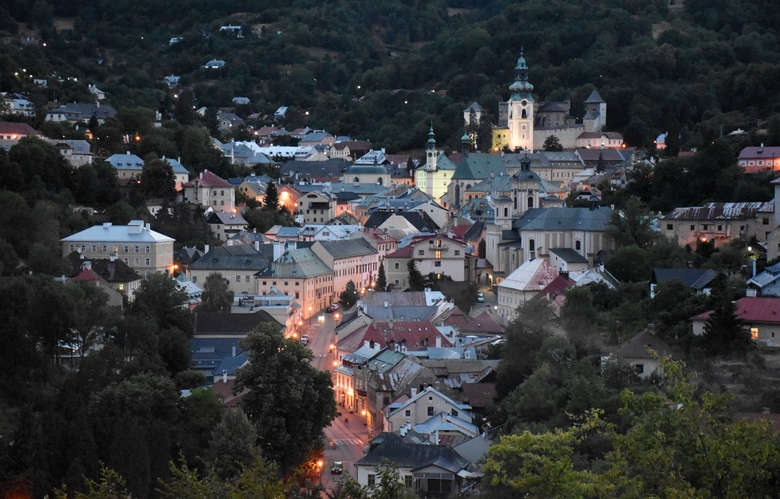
(208, 179)
(14, 128)
(483, 323)
(480, 395)
(638, 346)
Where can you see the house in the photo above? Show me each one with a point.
(404, 306)
(439, 254)
(486, 323)
(358, 174)
(299, 272)
(379, 239)
(423, 406)
(226, 225)
(329, 232)
(136, 244)
(18, 104)
(471, 169)
(237, 264)
(209, 191)
(77, 152)
(171, 80)
(11, 132)
(241, 101)
(317, 138)
(181, 175)
(643, 352)
(316, 207)
(601, 158)
(522, 285)
(94, 90)
(120, 276)
(754, 159)
(435, 175)
(128, 166)
(595, 140)
(718, 222)
(567, 259)
(183, 257)
(767, 282)
(429, 470)
(280, 113)
(114, 298)
(351, 260)
(227, 122)
(314, 171)
(349, 149)
(81, 113)
(253, 187)
(405, 223)
(279, 305)
(697, 279)
(193, 291)
(760, 315)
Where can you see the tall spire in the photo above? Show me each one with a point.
(431, 140)
(521, 83)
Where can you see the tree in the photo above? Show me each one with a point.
(381, 280)
(630, 264)
(184, 111)
(272, 196)
(158, 180)
(724, 332)
(217, 295)
(484, 135)
(159, 300)
(232, 444)
(289, 401)
(578, 317)
(552, 143)
(349, 296)
(632, 225)
(416, 279)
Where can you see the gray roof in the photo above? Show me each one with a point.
(594, 97)
(476, 107)
(693, 278)
(636, 347)
(405, 313)
(474, 231)
(288, 232)
(329, 168)
(479, 166)
(366, 170)
(558, 219)
(390, 446)
(348, 248)
(569, 255)
(299, 263)
(227, 218)
(230, 324)
(134, 232)
(236, 257)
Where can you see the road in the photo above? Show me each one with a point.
(347, 432)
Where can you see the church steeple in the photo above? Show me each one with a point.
(431, 154)
(520, 109)
(521, 84)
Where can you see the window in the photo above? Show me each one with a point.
(408, 481)
(669, 227)
(137, 249)
(693, 227)
(247, 278)
(103, 249)
(578, 245)
(136, 262)
(238, 278)
(286, 283)
(94, 249)
(430, 411)
(194, 279)
(706, 227)
(438, 254)
(273, 283)
(754, 333)
(457, 252)
(265, 283)
(397, 282)
(70, 248)
(371, 480)
(765, 221)
(640, 368)
(221, 193)
(127, 249)
(408, 413)
(147, 262)
(297, 295)
(297, 283)
(454, 413)
(437, 263)
(397, 266)
(148, 249)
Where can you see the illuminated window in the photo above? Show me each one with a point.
(754, 333)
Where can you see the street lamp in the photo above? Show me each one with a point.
(319, 467)
(753, 258)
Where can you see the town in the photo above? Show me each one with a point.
(202, 295)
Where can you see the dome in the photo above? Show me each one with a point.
(366, 170)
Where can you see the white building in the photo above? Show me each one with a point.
(522, 285)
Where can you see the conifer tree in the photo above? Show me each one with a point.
(381, 280)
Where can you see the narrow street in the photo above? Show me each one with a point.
(347, 436)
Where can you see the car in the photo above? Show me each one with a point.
(334, 307)
(329, 310)
(338, 468)
(480, 297)
(305, 339)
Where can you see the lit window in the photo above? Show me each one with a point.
(754, 333)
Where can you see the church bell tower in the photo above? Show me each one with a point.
(520, 119)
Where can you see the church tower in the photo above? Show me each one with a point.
(431, 157)
(520, 118)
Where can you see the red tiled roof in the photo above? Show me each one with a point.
(208, 179)
(456, 318)
(86, 275)
(460, 230)
(484, 323)
(751, 309)
(14, 128)
(558, 286)
(413, 333)
(405, 252)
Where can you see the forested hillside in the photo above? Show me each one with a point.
(384, 70)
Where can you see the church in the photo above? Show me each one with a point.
(524, 123)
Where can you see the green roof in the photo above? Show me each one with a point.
(478, 166)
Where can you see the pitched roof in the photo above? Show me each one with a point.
(721, 211)
(391, 447)
(594, 97)
(533, 275)
(329, 168)
(208, 179)
(235, 257)
(558, 286)
(299, 263)
(419, 220)
(479, 166)
(348, 248)
(411, 333)
(134, 232)
(563, 219)
(14, 128)
(483, 323)
(693, 278)
(227, 218)
(111, 271)
(480, 395)
(637, 347)
(230, 324)
(759, 153)
(569, 255)
(754, 309)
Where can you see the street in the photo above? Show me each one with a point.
(348, 433)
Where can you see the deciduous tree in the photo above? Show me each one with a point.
(349, 296)
(217, 295)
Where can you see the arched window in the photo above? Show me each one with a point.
(578, 245)
(530, 201)
(380, 181)
(524, 114)
(457, 193)
(357, 180)
(515, 202)
(506, 212)
(531, 245)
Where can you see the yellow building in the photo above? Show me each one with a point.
(434, 177)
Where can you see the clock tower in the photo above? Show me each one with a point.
(520, 109)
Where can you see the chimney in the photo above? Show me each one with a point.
(455, 223)
(767, 410)
(106, 225)
(87, 265)
(224, 376)
(205, 249)
(438, 341)
(414, 392)
(386, 304)
(257, 246)
(201, 176)
(113, 257)
(278, 249)
(390, 324)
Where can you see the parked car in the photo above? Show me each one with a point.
(334, 307)
(305, 339)
(338, 468)
(480, 297)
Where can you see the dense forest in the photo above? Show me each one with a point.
(384, 71)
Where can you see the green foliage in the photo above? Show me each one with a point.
(416, 279)
(264, 218)
(217, 295)
(158, 180)
(349, 296)
(632, 225)
(272, 197)
(578, 318)
(159, 300)
(552, 143)
(725, 333)
(289, 401)
(232, 445)
(381, 280)
(630, 264)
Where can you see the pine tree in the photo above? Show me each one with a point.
(416, 279)
(381, 280)
(484, 135)
(349, 296)
(217, 296)
(272, 196)
(724, 332)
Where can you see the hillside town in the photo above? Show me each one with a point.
(453, 297)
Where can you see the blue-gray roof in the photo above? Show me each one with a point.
(693, 278)
(569, 255)
(236, 257)
(562, 219)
